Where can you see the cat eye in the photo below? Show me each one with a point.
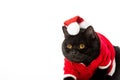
(69, 46)
(82, 46)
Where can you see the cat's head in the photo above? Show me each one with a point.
(81, 48)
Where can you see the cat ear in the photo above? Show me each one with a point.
(66, 34)
(90, 33)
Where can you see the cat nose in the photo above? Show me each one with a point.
(74, 52)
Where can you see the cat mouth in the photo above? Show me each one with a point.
(85, 60)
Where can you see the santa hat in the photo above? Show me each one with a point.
(74, 24)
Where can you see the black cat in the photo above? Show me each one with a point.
(84, 49)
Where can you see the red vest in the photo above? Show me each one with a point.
(103, 61)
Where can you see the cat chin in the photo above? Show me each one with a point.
(80, 62)
(76, 61)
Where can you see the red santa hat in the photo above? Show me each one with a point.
(74, 24)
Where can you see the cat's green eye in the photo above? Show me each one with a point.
(69, 46)
(82, 46)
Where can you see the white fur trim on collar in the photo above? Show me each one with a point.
(104, 67)
(113, 68)
(69, 75)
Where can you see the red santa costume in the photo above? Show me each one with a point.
(106, 58)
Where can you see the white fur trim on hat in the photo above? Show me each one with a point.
(73, 28)
(69, 75)
(84, 24)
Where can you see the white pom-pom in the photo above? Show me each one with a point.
(73, 28)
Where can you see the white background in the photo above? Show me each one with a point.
(31, 34)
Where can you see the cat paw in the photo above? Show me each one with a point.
(69, 78)
(107, 77)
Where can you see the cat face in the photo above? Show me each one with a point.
(81, 48)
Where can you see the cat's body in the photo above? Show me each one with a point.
(85, 48)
